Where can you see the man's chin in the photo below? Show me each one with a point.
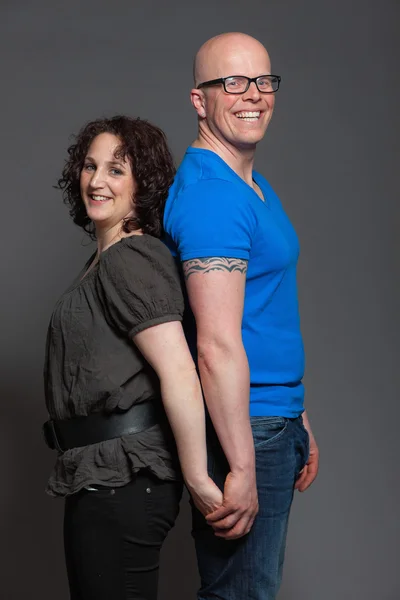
(250, 137)
(248, 142)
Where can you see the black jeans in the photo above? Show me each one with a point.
(113, 538)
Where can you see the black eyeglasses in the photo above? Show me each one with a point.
(239, 84)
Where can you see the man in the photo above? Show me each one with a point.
(239, 254)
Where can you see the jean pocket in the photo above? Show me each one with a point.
(304, 443)
(300, 421)
(161, 503)
(267, 430)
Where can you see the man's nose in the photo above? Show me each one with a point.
(252, 92)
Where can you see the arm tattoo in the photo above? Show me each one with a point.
(214, 263)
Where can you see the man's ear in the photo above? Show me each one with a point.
(198, 100)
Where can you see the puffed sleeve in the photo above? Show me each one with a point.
(138, 285)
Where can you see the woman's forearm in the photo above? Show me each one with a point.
(165, 348)
(183, 403)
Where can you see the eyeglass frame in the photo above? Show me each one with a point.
(250, 80)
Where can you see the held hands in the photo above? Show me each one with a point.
(239, 508)
(206, 496)
(232, 514)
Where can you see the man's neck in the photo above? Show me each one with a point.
(240, 160)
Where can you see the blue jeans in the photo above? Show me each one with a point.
(250, 568)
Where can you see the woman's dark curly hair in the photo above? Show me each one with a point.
(145, 146)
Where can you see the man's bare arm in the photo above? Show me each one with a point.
(216, 288)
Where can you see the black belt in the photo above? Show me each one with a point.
(65, 434)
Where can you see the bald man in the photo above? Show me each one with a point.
(239, 253)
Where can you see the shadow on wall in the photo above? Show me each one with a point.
(31, 522)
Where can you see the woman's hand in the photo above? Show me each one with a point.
(206, 496)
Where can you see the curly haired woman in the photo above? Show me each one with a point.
(121, 388)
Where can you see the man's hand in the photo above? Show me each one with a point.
(206, 496)
(310, 471)
(239, 507)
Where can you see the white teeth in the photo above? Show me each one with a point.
(100, 198)
(248, 115)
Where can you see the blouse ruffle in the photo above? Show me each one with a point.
(113, 462)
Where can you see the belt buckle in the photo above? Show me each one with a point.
(50, 436)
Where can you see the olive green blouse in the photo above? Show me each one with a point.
(93, 365)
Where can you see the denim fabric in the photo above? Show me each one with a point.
(250, 568)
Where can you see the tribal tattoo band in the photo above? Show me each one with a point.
(214, 263)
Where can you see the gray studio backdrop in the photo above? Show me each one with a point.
(331, 152)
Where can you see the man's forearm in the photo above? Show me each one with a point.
(224, 373)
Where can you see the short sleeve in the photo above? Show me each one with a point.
(138, 285)
(211, 218)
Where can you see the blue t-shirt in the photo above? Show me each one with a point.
(211, 211)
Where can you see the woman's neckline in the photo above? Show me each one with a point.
(89, 267)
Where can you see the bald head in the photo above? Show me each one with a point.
(230, 54)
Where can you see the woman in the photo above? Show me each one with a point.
(116, 357)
